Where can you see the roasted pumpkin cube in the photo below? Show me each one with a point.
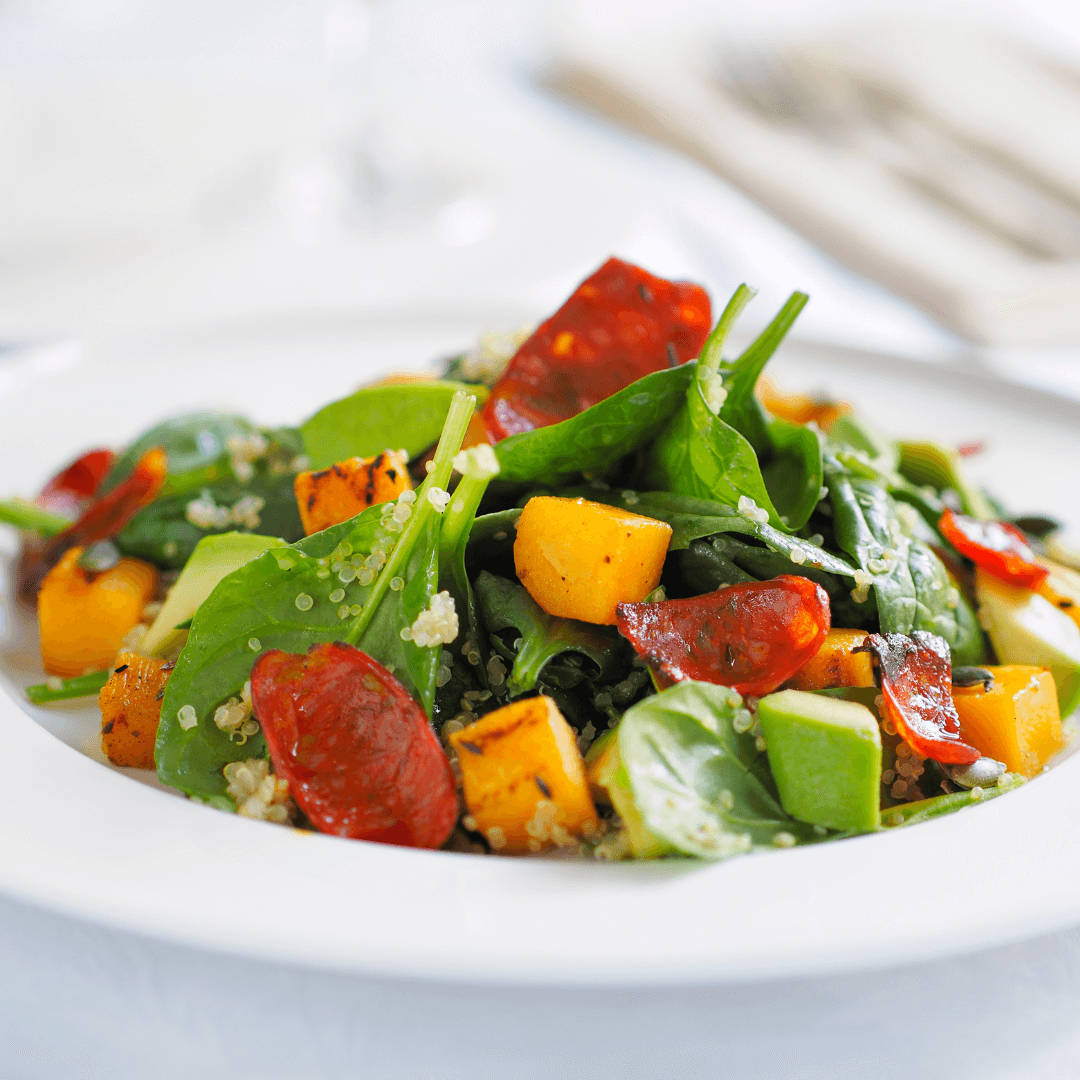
(581, 559)
(130, 704)
(84, 615)
(524, 778)
(799, 408)
(1017, 721)
(329, 496)
(835, 664)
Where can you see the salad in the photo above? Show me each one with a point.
(597, 589)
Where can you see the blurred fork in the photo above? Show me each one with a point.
(831, 106)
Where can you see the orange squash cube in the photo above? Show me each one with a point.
(130, 704)
(581, 559)
(1017, 721)
(524, 778)
(329, 496)
(834, 664)
(84, 616)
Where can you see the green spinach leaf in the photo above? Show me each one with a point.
(698, 783)
(741, 408)
(910, 582)
(598, 437)
(195, 444)
(408, 416)
(506, 605)
(692, 518)
(163, 533)
(701, 454)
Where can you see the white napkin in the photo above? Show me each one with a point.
(938, 159)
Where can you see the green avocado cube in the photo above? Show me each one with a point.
(825, 755)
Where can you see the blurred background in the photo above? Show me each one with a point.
(167, 166)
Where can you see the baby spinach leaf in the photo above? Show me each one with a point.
(692, 518)
(507, 605)
(700, 453)
(697, 782)
(282, 600)
(163, 534)
(794, 471)
(409, 416)
(598, 437)
(741, 408)
(193, 442)
(910, 582)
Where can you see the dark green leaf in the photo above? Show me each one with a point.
(794, 472)
(697, 782)
(162, 534)
(701, 454)
(910, 582)
(193, 442)
(406, 416)
(692, 518)
(741, 408)
(505, 605)
(598, 437)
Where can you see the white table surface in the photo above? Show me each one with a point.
(114, 221)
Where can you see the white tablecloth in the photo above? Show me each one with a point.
(78, 1001)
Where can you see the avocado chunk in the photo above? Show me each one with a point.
(825, 755)
(607, 776)
(1025, 628)
(214, 558)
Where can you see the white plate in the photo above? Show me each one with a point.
(89, 840)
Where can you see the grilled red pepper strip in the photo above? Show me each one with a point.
(358, 752)
(70, 490)
(916, 684)
(752, 637)
(103, 518)
(999, 548)
(618, 326)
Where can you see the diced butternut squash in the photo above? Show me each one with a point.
(84, 616)
(799, 408)
(582, 559)
(524, 779)
(329, 496)
(130, 705)
(835, 665)
(1017, 721)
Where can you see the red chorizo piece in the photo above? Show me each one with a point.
(358, 752)
(618, 326)
(751, 637)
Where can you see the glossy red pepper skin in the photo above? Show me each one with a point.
(916, 685)
(618, 326)
(71, 489)
(103, 518)
(999, 548)
(360, 756)
(751, 637)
